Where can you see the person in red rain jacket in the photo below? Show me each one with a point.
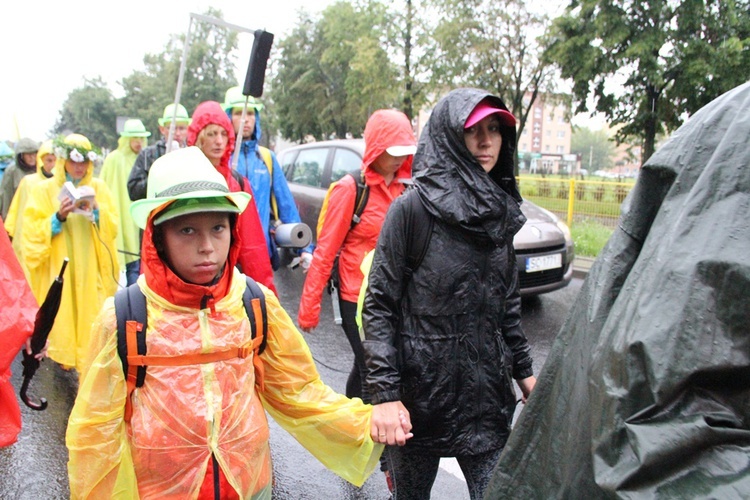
(389, 146)
(212, 131)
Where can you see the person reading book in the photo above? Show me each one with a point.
(53, 230)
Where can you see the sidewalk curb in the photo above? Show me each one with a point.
(581, 266)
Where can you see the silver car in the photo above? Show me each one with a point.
(544, 246)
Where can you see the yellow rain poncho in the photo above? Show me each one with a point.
(92, 273)
(115, 172)
(181, 415)
(14, 222)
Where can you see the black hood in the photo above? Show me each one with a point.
(453, 185)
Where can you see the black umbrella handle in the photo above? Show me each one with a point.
(62, 270)
(30, 365)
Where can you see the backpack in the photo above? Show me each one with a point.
(131, 314)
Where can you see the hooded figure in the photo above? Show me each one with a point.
(25, 164)
(45, 163)
(645, 391)
(115, 172)
(259, 165)
(253, 259)
(92, 274)
(447, 343)
(201, 427)
(389, 144)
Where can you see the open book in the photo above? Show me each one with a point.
(82, 197)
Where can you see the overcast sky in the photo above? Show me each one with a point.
(48, 48)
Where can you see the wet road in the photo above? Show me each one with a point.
(35, 467)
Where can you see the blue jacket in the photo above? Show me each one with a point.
(252, 167)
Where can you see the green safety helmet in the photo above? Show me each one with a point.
(134, 128)
(182, 115)
(235, 99)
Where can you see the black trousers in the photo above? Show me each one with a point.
(355, 384)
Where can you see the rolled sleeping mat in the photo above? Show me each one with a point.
(293, 235)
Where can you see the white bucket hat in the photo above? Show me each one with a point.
(188, 178)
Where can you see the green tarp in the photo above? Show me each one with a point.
(646, 391)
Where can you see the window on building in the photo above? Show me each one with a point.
(561, 134)
(546, 148)
(560, 149)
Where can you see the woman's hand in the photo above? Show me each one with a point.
(390, 424)
(526, 385)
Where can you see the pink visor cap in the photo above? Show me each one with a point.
(484, 109)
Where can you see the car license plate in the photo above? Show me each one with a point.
(543, 262)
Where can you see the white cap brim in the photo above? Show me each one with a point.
(401, 150)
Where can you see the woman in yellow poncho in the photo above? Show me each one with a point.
(45, 163)
(53, 232)
(201, 427)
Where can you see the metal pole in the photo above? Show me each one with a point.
(178, 91)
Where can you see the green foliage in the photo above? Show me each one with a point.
(672, 57)
(91, 111)
(209, 72)
(333, 73)
(590, 237)
(494, 45)
(595, 148)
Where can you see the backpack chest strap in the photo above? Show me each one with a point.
(198, 358)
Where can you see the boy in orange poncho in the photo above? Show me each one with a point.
(202, 427)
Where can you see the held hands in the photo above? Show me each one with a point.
(391, 424)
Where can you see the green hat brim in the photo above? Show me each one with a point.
(136, 134)
(141, 209)
(163, 122)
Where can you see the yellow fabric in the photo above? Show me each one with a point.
(115, 172)
(365, 268)
(192, 411)
(266, 154)
(92, 273)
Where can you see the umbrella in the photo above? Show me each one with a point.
(45, 318)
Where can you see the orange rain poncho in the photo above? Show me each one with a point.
(184, 415)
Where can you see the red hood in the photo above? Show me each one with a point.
(386, 128)
(162, 280)
(206, 113)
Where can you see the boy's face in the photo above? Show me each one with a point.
(197, 245)
(29, 158)
(249, 125)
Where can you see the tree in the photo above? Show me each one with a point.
(671, 57)
(594, 147)
(332, 73)
(209, 72)
(495, 45)
(92, 111)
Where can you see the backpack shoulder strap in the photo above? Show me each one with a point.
(360, 200)
(239, 178)
(130, 310)
(419, 225)
(265, 154)
(255, 307)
